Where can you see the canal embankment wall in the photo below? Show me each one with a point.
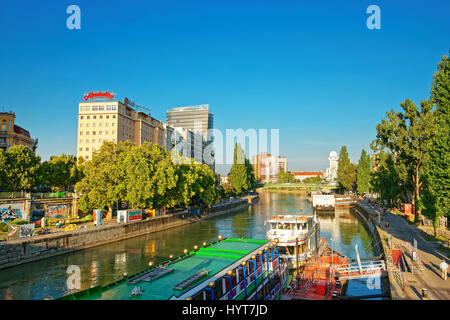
(381, 245)
(16, 252)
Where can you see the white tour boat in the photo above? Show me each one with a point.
(287, 230)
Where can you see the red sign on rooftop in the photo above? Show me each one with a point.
(94, 95)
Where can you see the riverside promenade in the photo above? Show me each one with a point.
(424, 272)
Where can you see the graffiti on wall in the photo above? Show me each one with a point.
(58, 212)
(11, 211)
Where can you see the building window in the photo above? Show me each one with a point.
(94, 108)
(81, 141)
(113, 116)
(87, 140)
(113, 107)
(108, 107)
(106, 132)
(94, 124)
(88, 117)
(87, 157)
(3, 127)
(113, 132)
(87, 133)
(99, 133)
(81, 117)
(81, 133)
(93, 140)
(113, 140)
(107, 124)
(81, 125)
(87, 125)
(87, 149)
(107, 117)
(101, 117)
(93, 133)
(94, 117)
(81, 149)
(99, 140)
(100, 124)
(101, 108)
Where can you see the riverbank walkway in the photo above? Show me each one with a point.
(425, 274)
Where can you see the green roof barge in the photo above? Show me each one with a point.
(228, 269)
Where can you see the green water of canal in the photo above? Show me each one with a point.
(104, 264)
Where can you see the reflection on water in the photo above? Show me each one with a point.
(107, 263)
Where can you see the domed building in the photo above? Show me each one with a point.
(331, 172)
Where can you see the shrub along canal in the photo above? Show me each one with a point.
(104, 264)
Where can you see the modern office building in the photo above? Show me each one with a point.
(195, 118)
(266, 167)
(11, 134)
(115, 121)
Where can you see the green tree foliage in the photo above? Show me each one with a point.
(407, 136)
(60, 173)
(385, 179)
(346, 170)
(149, 176)
(241, 175)
(363, 173)
(285, 177)
(18, 168)
(316, 180)
(145, 177)
(104, 181)
(437, 199)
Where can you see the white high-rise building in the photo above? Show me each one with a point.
(331, 172)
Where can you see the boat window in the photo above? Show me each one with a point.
(280, 226)
(299, 226)
(273, 225)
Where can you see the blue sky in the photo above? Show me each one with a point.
(311, 69)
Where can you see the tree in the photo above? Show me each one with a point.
(346, 170)
(238, 176)
(104, 182)
(385, 179)
(19, 168)
(149, 176)
(363, 173)
(407, 136)
(60, 172)
(285, 177)
(437, 200)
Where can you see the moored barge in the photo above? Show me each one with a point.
(227, 269)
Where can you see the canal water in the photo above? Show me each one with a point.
(104, 264)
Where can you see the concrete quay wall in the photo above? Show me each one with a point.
(21, 251)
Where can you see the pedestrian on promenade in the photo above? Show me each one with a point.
(444, 267)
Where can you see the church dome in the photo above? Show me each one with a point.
(333, 154)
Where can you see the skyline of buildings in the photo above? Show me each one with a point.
(107, 119)
(266, 166)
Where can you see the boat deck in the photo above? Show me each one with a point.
(316, 282)
(187, 271)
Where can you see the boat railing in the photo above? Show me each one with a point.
(253, 277)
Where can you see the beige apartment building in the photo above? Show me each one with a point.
(266, 166)
(12, 135)
(100, 121)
